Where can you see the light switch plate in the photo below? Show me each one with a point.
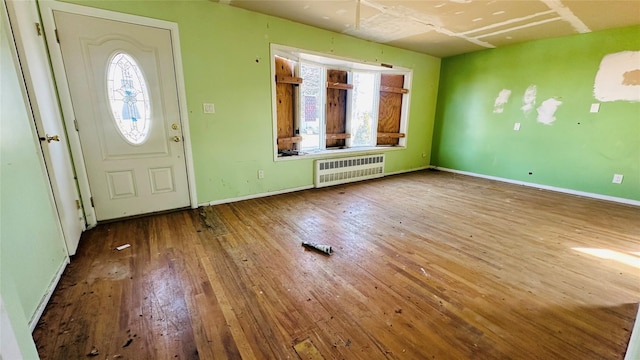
(208, 108)
(595, 108)
(516, 126)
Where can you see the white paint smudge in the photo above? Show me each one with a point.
(501, 100)
(529, 99)
(547, 111)
(611, 80)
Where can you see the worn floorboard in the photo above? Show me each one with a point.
(426, 265)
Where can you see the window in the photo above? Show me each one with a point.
(128, 98)
(323, 104)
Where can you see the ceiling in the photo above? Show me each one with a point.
(449, 27)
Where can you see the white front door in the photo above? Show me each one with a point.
(34, 62)
(122, 82)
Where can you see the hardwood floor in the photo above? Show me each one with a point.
(426, 265)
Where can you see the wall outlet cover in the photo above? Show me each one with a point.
(208, 108)
(516, 126)
(617, 178)
(595, 108)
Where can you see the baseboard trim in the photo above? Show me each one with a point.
(47, 296)
(408, 171)
(633, 349)
(255, 196)
(545, 187)
(284, 191)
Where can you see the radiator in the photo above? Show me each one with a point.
(344, 170)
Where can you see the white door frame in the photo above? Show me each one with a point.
(46, 9)
(34, 61)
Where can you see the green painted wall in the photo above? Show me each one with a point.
(579, 151)
(225, 53)
(31, 245)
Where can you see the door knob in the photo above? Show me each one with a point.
(50, 138)
(176, 138)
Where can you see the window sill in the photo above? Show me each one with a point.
(339, 152)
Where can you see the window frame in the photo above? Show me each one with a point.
(330, 61)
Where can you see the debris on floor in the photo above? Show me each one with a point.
(203, 216)
(325, 249)
(94, 352)
(129, 341)
(122, 247)
(211, 220)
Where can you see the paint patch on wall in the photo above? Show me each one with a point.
(618, 78)
(631, 78)
(501, 100)
(547, 111)
(529, 99)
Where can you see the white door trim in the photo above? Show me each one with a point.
(36, 71)
(47, 7)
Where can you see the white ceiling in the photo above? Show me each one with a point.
(449, 27)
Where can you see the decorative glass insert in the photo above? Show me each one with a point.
(129, 98)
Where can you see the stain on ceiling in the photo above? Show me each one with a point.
(450, 27)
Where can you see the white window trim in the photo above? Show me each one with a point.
(341, 63)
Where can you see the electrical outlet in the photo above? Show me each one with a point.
(516, 126)
(595, 108)
(617, 178)
(208, 108)
(260, 174)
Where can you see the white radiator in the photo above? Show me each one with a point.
(343, 170)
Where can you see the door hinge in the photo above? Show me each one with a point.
(78, 205)
(75, 124)
(92, 204)
(57, 36)
(38, 29)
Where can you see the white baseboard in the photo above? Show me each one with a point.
(408, 171)
(47, 296)
(633, 349)
(546, 187)
(284, 191)
(255, 196)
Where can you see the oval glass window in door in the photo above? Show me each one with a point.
(128, 98)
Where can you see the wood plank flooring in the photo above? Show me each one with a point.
(426, 265)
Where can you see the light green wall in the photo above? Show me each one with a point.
(31, 245)
(579, 151)
(225, 53)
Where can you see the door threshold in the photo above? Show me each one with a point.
(138, 216)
